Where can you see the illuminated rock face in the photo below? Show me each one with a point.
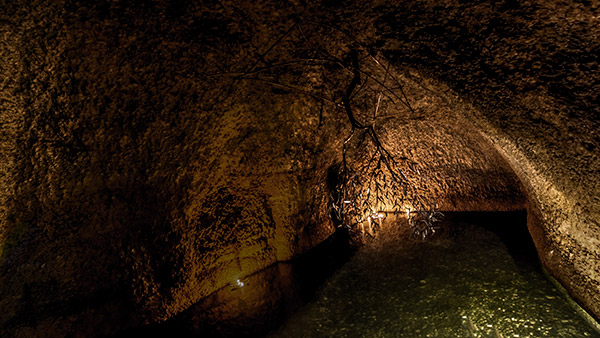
(136, 179)
(534, 89)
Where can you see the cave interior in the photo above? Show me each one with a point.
(205, 166)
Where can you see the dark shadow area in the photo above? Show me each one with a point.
(284, 287)
(312, 268)
(509, 226)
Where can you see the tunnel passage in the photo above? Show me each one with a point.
(152, 155)
(459, 169)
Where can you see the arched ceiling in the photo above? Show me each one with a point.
(152, 153)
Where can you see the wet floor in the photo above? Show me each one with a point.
(477, 280)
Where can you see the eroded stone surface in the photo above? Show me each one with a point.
(146, 164)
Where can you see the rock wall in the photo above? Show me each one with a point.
(528, 72)
(145, 164)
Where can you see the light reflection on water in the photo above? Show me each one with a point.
(469, 284)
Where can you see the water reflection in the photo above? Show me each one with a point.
(479, 278)
(252, 305)
(475, 281)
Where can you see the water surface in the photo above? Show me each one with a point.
(478, 280)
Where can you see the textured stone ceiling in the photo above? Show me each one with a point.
(152, 153)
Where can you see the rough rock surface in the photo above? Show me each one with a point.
(150, 154)
(530, 71)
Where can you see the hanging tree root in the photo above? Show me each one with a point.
(368, 190)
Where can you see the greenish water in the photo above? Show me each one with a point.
(475, 282)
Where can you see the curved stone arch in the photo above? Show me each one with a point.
(563, 227)
(140, 137)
